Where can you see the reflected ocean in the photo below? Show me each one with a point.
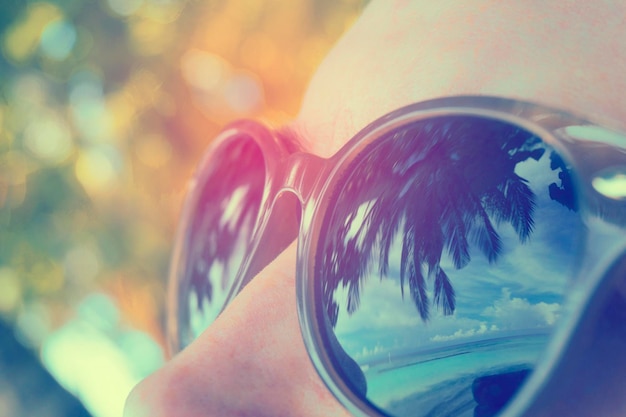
(438, 382)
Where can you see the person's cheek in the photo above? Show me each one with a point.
(250, 362)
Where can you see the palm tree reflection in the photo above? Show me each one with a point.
(228, 200)
(444, 185)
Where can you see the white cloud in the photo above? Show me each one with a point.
(514, 313)
(460, 334)
(365, 352)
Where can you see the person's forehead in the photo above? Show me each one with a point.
(571, 55)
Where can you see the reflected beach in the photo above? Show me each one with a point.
(439, 382)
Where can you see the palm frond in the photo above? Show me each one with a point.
(455, 232)
(417, 286)
(444, 297)
(354, 296)
(486, 237)
(406, 258)
(521, 202)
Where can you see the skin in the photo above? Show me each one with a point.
(567, 54)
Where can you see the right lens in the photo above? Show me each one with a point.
(442, 265)
(221, 211)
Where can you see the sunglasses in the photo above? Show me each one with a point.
(445, 253)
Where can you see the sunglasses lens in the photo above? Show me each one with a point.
(441, 268)
(221, 212)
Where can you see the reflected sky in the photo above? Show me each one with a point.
(512, 294)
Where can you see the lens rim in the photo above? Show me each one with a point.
(548, 124)
(273, 153)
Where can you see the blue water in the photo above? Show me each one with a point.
(438, 382)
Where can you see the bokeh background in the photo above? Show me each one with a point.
(105, 109)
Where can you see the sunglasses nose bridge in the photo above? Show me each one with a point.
(301, 173)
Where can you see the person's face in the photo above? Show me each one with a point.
(570, 55)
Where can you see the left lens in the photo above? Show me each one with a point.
(442, 264)
(221, 214)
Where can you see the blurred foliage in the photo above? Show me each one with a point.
(105, 108)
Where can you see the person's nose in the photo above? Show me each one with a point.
(250, 362)
(588, 378)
